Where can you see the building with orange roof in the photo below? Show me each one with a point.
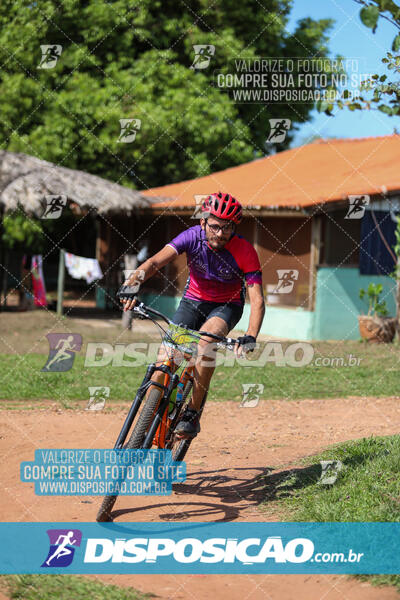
(320, 212)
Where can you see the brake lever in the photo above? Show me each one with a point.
(139, 310)
(227, 343)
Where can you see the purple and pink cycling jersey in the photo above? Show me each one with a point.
(217, 276)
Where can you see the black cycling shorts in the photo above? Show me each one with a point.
(192, 314)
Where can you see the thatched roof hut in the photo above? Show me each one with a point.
(26, 180)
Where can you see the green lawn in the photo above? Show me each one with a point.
(374, 374)
(64, 587)
(367, 487)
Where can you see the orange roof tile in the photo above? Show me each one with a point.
(324, 171)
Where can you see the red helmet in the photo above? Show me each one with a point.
(223, 206)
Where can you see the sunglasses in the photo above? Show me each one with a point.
(217, 228)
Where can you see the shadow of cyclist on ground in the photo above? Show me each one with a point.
(232, 493)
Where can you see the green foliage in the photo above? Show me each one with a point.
(372, 371)
(372, 294)
(132, 60)
(396, 43)
(23, 233)
(367, 487)
(369, 15)
(376, 93)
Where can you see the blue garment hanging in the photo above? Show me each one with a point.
(375, 258)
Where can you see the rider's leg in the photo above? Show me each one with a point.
(188, 315)
(163, 355)
(205, 360)
(189, 425)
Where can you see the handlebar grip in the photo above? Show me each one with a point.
(128, 292)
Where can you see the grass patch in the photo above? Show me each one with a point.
(65, 587)
(374, 374)
(367, 488)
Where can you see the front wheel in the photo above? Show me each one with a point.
(135, 441)
(180, 448)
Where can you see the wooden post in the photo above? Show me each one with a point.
(167, 239)
(5, 276)
(256, 244)
(314, 258)
(60, 281)
(256, 233)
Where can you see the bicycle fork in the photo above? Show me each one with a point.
(146, 383)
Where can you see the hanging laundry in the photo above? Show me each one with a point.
(375, 258)
(39, 290)
(83, 268)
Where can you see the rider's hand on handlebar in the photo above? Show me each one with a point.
(126, 295)
(128, 304)
(245, 343)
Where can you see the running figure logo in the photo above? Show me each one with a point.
(203, 55)
(287, 279)
(54, 206)
(357, 205)
(330, 471)
(98, 397)
(62, 351)
(251, 394)
(61, 551)
(279, 129)
(50, 55)
(139, 276)
(198, 213)
(129, 129)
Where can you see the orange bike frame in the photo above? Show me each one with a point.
(187, 373)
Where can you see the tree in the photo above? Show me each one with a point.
(377, 92)
(384, 94)
(23, 233)
(131, 59)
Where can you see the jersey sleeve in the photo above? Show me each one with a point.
(248, 262)
(181, 242)
(253, 277)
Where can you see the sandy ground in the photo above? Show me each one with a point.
(224, 465)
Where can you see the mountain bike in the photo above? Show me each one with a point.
(165, 402)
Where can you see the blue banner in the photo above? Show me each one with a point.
(209, 548)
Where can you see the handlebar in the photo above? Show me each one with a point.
(143, 310)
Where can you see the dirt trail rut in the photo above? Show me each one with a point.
(235, 446)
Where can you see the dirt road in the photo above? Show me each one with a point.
(224, 465)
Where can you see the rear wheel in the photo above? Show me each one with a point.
(135, 441)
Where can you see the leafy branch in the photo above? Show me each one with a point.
(372, 295)
(376, 92)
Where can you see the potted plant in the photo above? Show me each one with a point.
(376, 326)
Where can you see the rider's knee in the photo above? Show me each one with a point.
(207, 354)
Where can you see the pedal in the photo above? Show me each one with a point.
(181, 436)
